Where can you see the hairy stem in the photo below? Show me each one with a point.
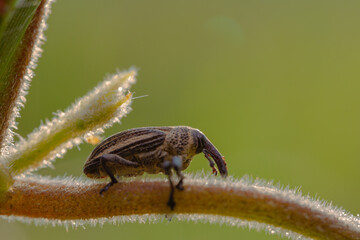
(12, 80)
(252, 202)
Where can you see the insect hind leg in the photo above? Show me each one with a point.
(114, 161)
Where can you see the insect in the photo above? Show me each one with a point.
(151, 150)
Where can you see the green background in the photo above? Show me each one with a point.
(274, 84)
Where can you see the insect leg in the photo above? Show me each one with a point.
(180, 185)
(115, 161)
(177, 164)
(211, 162)
(167, 169)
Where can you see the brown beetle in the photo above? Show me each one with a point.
(152, 150)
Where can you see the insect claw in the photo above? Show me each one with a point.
(215, 172)
(171, 203)
(180, 185)
(102, 192)
(104, 189)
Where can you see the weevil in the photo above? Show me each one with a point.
(151, 150)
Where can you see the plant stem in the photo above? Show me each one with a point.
(280, 208)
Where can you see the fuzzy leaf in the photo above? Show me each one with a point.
(99, 109)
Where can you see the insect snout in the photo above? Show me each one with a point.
(204, 145)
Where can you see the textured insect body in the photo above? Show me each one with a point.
(151, 150)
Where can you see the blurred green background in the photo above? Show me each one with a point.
(274, 84)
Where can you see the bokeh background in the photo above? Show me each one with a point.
(274, 84)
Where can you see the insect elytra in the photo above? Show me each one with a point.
(151, 150)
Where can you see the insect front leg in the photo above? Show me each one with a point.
(211, 162)
(113, 161)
